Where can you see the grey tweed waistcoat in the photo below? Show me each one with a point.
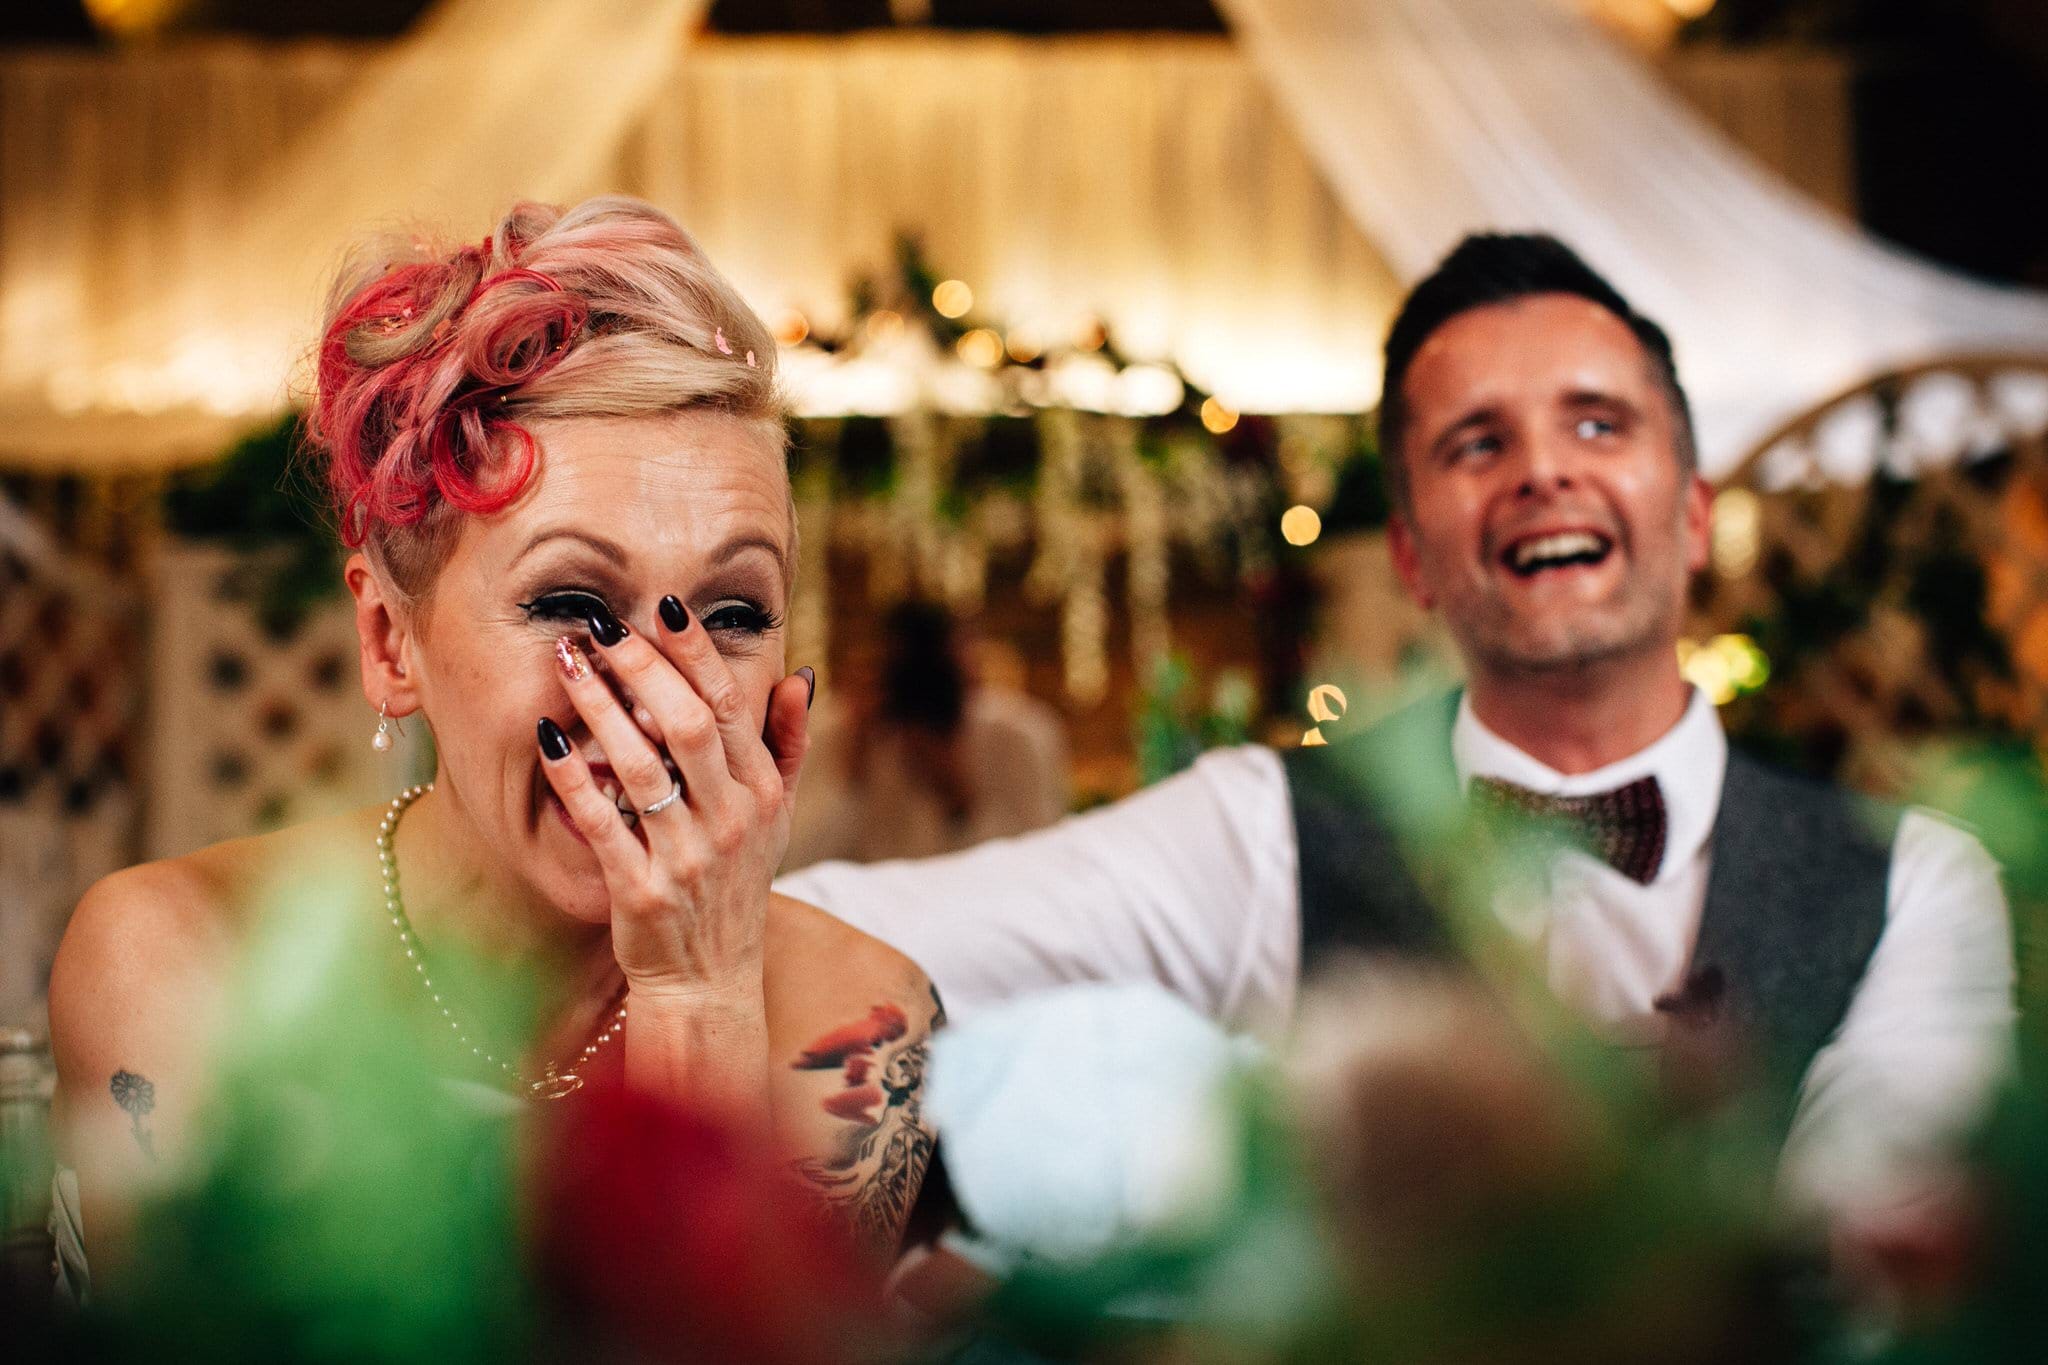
(1795, 898)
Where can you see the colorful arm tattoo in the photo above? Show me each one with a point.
(872, 1179)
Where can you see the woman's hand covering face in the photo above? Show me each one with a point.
(688, 879)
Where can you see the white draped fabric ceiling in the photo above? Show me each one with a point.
(165, 214)
(1434, 118)
(164, 265)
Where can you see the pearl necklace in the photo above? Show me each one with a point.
(556, 1083)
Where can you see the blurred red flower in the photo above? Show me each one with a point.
(671, 1234)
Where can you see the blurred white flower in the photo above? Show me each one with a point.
(1081, 1119)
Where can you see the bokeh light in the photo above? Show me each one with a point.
(1217, 418)
(884, 326)
(134, 18)
(952, 298)
(1087, 382)
(981, 348)
(1300, 525)
(1736, 532)
(1724, 667)
(791, 328)
(1149, 391)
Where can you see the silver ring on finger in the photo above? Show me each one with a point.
(675, 794)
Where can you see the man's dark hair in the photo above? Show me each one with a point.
(1490, 268)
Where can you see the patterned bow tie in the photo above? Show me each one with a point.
(1625, 827)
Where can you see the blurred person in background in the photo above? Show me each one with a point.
(560, 457)
(936, 755)
(1850, 971)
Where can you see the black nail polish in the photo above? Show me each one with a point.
(675, 615)
(553, 742)
(810, 677)
(607, 629)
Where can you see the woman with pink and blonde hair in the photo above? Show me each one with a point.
(558, 456)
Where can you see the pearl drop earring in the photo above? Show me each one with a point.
(381, 741)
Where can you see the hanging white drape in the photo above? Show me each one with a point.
(1434, 118)
(1148, 181)
(487, 101)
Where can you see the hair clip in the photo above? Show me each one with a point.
(750, 361)
(724, 346)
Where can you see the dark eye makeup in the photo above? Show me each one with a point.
(575, 606)
(565, 606)
(745, 618)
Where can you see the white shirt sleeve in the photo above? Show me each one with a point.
(1189, 883)
(1927, 1037)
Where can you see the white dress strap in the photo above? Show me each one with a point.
(67, 1235)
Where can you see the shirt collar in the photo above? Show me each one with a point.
(1689, 762)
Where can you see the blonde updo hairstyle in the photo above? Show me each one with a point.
(433, 359)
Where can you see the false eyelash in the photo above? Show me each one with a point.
(568, 604)
(760, 620)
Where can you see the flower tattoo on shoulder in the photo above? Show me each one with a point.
(137, 1097)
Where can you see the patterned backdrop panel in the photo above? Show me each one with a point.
(255, 722)
(70, 685)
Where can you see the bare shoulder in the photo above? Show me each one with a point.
(826, 978)
(134, 995)
(820, 965)
(143, 959)
(138, 940)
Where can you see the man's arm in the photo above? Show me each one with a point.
(1927, 1036)
(1189, 884)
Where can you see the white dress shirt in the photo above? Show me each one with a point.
(1192, 884)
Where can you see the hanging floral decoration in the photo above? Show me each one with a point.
(953, 442)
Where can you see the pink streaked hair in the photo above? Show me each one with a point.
(433, 360)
